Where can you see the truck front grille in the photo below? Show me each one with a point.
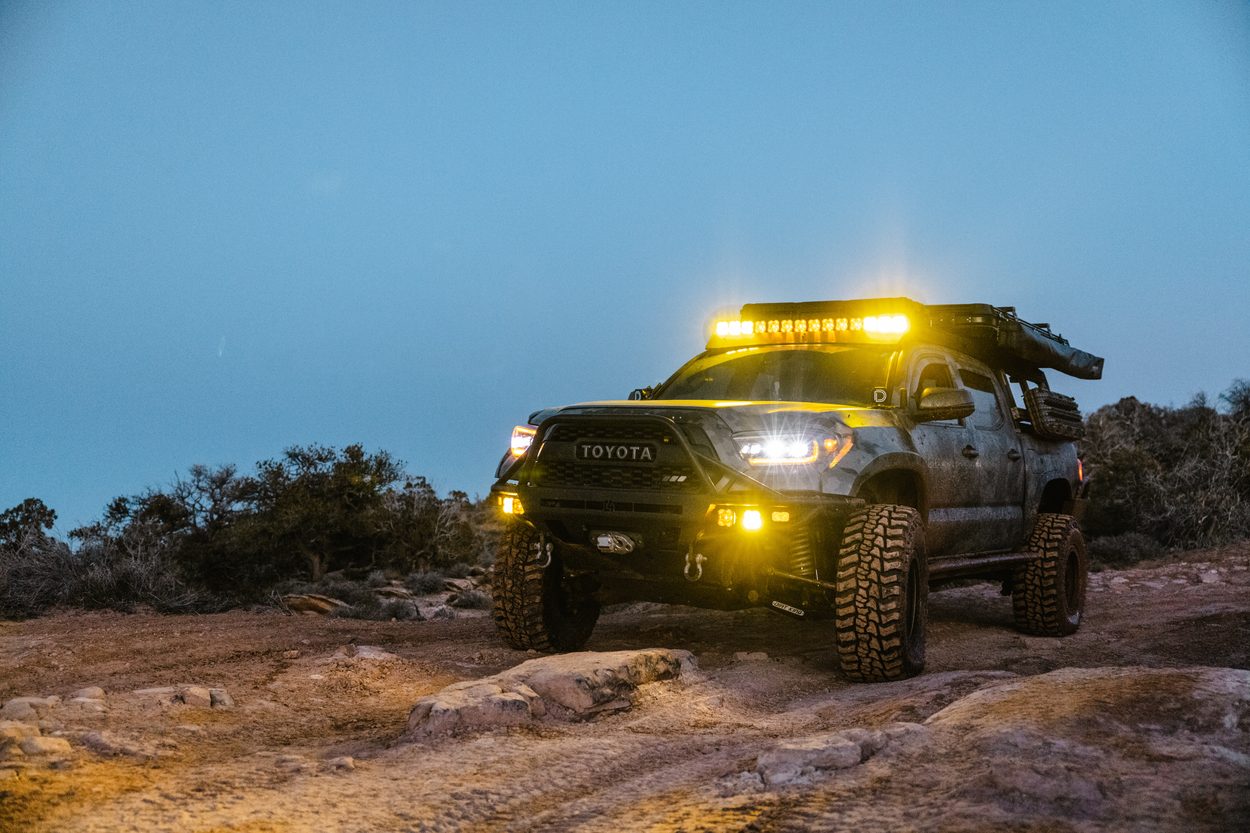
(570, 432)
(598, 476)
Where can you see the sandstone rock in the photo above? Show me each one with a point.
(195, 696)
(312, 603)
(577, 684)
(220, 698)
(15, 731)
(1062, 745)
(110, 745)
(582, 682)
(459, 584)
(88, 704)
(89, 693)
(473, 705)
(41, 746)
(792, 760)
(344, 763)
(290, 654)
(165, 695)
(18, 711)
(399, 593)
(27, 708)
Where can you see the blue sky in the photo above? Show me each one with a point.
(229, 228)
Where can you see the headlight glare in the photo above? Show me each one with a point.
(522, 438)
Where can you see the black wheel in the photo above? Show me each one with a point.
(535, 607)
(1048, 593)
(882, 600)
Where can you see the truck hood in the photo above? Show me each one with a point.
(736, 416)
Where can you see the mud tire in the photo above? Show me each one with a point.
(882, 597)
(1048, 594)
(536, 607)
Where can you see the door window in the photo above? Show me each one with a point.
(987, 415)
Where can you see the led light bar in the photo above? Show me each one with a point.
(880, 321)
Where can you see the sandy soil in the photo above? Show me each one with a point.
(310, 741)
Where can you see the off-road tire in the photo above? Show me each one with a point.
(882, 597)
(535, 607)
(1048, 593)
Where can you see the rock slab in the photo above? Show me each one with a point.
(568, 686)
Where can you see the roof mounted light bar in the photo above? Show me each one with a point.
(889, 320)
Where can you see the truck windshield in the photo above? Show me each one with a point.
(836, 374)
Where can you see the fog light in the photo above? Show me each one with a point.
(512, 506)
(751, 520)
(781, 517)
(726, 517)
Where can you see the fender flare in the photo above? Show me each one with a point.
(908, 461)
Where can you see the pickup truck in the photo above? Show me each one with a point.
(826, 460)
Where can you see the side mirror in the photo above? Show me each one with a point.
(944, 403)
(641, 393)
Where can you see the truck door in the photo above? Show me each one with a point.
(954, 486)
(997, 457)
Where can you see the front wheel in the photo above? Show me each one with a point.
(882, 596)
(537, 607)
(1048, 593)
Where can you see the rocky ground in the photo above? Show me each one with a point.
(675, 720)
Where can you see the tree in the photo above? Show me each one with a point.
(30, 518)
(323, 508)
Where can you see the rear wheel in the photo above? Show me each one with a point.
(882, 596)
(1048, 593)
(538, 607)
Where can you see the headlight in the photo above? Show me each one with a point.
(760, 451)
(522, 439)
(790, 449)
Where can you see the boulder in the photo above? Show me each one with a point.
(195, 696)
(89, 693)
(14, 731)
(568, 686)
(27, 708)
(792, 760)
(41, 746)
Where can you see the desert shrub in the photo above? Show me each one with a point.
(1123, 550)
(383, 611)
(42, 573)
(472, 599)
(1178, 475)
(425, 583)
(458, 569)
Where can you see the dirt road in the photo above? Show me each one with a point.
(309, 742)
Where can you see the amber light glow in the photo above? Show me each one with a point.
(522, 438)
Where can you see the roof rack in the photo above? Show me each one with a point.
(1008, 332)
(985, 328)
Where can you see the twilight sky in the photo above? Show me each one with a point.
(229, 228)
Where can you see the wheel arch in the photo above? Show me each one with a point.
(897, 478)
(1055, 494)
